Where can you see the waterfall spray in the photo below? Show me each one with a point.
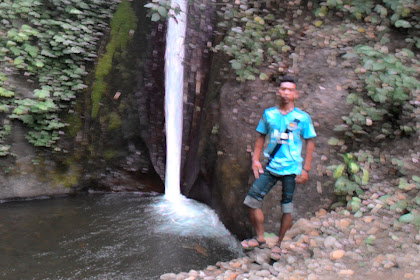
(174, 88)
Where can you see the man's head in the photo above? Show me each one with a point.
(287, 90)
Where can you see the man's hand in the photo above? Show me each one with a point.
(257, 168)
(302, 178)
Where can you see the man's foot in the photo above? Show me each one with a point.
(249, 244)
(277, 253)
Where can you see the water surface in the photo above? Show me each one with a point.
(109, 236)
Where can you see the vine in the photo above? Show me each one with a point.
(49, 43)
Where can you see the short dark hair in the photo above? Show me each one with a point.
(285, 79)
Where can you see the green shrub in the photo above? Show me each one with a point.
(350, 175)
(254, 39)
(386, 105)
(402, 14)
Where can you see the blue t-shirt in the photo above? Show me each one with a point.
(286, 130)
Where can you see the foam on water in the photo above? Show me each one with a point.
(187, 217)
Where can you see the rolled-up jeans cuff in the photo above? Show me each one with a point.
(252, 202)
(287, 207)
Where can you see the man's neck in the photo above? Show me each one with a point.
(286, 108)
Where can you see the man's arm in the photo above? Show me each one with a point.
(256, 164)
(303, 177)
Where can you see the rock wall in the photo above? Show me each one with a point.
(197, 67)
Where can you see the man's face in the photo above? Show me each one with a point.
(287, 92)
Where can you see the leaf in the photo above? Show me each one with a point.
(338, 172)
(162, 11)
(377, 66)
(402, 23)
(236, 64)
(6, 93)
(150, 5)
(75, 11)
(354, 168)
(155, 17)
(416, 178)
(352, 98)
(31, 50)
(18, 60)
(28, 119)
(263, 76)
(333, 141)
(39, 64)
(365, 177)
(41, 93)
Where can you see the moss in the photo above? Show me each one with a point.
(114, 121)
(68, 179)
(122, 22)
(109, 154)
(75, 124)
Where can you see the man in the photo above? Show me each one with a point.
(284, 125)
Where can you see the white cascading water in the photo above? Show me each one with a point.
(174, 88)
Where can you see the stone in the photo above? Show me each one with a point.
(291, 259)
(389, 264)
(337, 254)
(368, 219)
(377, 261)
(320, 213)
(344, 223)
(302, 226)
(193, 273)
(263, 273)
(182, 276)
(312, 277)
(235, 264)
(313, 233)
(330, 241)
(168, 276)
(408, 275)
(376, 208)
(348, 272)
(372, 230)
(230, 276)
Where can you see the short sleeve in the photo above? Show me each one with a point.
(262, 126)
(308, 130)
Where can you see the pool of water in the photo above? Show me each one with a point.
(109, 236)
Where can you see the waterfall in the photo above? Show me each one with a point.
(174, 88)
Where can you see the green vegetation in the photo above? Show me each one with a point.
(398, 13)
(122, 22)
(161, 10)
(114, 121)
(351, 176)
(384, 107)
(254, 39)
(48, 43)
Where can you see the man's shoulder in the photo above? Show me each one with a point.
(302, 113)
(270, 112)
(271, 109)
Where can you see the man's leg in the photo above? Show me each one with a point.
(253, 200)
(257, 219)
(288, 183)
(286, 223)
